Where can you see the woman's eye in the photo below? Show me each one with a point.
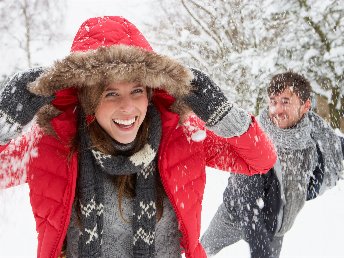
(111, 94)
(137, 91)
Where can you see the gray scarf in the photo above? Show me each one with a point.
(298, 158)
(311, 130)
(92, 166)
(296, 138)
(330, 147)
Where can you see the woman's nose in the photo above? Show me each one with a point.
(126, 104)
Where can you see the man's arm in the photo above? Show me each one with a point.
(256, 201)
(317, 177)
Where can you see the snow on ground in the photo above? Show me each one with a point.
(317, 232)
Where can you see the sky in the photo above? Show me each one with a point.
(317, 231)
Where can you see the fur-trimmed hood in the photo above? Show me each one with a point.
(90, 72)
(109, 50)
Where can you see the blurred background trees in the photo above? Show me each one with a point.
(242, 43)
(27, 27)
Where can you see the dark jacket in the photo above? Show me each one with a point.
(256, 202)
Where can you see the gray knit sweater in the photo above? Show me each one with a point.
(118, 235)
(298, 158)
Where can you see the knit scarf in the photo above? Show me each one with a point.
(93, 165)
(296, 138)
(297, 159)
(311, 130)
(331, 150)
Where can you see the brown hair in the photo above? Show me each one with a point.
(297, 82)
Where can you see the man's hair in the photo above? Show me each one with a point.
(297, 82)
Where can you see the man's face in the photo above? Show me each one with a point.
(286, 109)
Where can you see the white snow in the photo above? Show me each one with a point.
(199, 136)
(260, 203)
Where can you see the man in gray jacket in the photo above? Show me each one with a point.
(262, 208)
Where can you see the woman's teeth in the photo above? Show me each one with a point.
(125, 122)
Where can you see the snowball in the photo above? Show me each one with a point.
(260, 203)
(199, 136)
(19, 107)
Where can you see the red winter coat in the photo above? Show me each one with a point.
(52, 171)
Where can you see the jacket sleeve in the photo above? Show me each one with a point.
(250, 153)
(317, 177)
(330, 146)
(2, 147)
(255, 201)
(14, 159)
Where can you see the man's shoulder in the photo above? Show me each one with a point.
(318, 123)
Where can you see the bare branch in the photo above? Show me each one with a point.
(214, 37)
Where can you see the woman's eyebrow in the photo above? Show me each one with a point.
(138, 86)
(110, 89)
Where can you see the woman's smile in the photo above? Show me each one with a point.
(125, 123)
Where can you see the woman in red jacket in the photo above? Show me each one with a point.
(113, 169)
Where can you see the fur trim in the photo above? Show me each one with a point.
(182, 109)
(91, 71)
(44, 115)
(118, 63)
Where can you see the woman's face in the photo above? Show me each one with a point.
(122, 109)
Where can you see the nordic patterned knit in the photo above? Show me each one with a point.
(210, 104)
(118, 234)
(93, 164)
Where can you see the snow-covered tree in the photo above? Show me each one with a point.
(242, 43)
(225, 38)
(26, 24)
(314, 45)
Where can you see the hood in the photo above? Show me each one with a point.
(108, 50)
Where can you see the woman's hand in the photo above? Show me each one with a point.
(18, 105)
(206, 99)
